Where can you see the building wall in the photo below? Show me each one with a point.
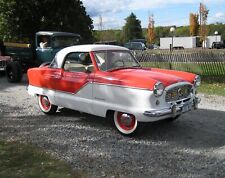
(187, 42)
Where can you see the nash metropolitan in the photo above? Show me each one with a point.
(107, 81)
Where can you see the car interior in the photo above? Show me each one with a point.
(78, 62)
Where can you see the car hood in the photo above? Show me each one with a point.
(144, 78)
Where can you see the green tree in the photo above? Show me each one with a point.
(182, 31)
(132, 28)
(19, 19)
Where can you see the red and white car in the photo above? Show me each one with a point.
(107, 80)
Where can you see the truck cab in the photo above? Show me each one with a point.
(49, 43)
(43, 50)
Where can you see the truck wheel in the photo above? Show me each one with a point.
(45, 105)
(125, 123)
(14, 72)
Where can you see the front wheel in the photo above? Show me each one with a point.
(45, 105)
(126, 124)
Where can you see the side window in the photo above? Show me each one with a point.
(43, 41)
(78, 62)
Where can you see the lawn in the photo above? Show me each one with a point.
(212, 88)
(26, 161)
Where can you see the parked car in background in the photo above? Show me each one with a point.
(135, 46)
(152, 46)
(218, 45)
(178, 48)
(107, 81)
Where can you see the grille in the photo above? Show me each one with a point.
(178, 93)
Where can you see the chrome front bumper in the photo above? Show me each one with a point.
(175, 109)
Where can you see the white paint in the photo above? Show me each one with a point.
(97, 99)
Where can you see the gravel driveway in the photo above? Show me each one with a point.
(193, 146)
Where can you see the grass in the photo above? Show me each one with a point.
(26, 161)
(212, 88)
(201, 68)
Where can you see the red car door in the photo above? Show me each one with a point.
(73, 89)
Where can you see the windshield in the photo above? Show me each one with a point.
(64, 41)
(110, 60)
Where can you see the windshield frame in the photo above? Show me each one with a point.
(118, 67)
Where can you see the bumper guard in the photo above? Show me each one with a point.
(175, 109)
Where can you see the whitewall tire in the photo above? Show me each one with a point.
(125, 123)
(45, 105)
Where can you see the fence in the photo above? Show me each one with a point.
(206, 62)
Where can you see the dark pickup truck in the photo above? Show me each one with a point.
(17, 58)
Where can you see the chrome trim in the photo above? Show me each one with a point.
(197, 79)
(177, 84)
(155, 89)
(174, 109)
(178, 92)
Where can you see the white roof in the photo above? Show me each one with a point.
(92, 47)
(85, 48)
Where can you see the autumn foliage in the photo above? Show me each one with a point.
(194, 24)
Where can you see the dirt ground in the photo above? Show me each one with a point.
(193, 146)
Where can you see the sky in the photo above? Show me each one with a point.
(165, 12)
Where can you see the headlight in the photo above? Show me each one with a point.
(158, 89)
(197, 81)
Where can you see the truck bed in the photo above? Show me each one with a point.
(21, 51)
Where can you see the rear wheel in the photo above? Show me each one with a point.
(14, 72)
(125, 123)
(45, 105)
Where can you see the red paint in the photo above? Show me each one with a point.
(72, 82)
(142, 78)
(58, 79)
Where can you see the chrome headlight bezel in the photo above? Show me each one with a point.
(158, 89)
(197, 81)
